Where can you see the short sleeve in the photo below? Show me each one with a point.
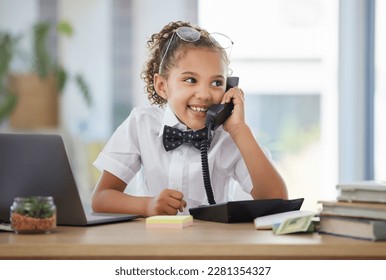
(242, 175)
(121, 155)
(230, 163)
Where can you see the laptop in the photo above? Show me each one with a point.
(37, 165)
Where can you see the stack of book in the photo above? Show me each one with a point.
(358, 212)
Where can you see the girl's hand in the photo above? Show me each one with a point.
(168, 202)
(237, 118)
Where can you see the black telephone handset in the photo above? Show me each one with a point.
(217, 114)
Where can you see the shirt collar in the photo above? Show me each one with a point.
(170, 119)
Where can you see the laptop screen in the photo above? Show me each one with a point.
(37, 165)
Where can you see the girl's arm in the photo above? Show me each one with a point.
(109, 197)
(267, 182)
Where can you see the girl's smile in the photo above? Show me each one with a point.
(198, 109)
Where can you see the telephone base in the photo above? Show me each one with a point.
(245, 210)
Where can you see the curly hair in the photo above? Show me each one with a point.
(158, 44)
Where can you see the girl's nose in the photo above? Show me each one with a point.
(203, 93)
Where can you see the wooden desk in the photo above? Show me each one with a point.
(204, 240)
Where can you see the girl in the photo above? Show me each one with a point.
(185, 74)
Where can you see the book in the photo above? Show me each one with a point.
(354, 209)
(267, 221)
(366, 191)
(360, 228)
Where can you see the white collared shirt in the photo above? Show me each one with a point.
(136, 146)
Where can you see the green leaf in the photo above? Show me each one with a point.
(7, 105)
(83, 88)
(65, 28)
(61, 78)
(42, 63)
(7, 49)
(35, 207)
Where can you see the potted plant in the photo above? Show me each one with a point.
(30, 98)
(33, 214)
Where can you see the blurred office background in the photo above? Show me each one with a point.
(312, 72)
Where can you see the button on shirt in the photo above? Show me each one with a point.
(136, 146)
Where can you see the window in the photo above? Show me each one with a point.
(380, 92)
(286, 58)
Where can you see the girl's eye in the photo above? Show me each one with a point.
(217, 83)
(191, 80)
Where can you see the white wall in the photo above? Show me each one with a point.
(17, 20)
(88, 52)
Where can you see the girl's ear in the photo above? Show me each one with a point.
(160, 86)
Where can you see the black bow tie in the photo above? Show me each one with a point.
(173, 137)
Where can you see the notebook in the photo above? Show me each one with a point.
(37, 165)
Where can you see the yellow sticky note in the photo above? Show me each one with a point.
(165, 221)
